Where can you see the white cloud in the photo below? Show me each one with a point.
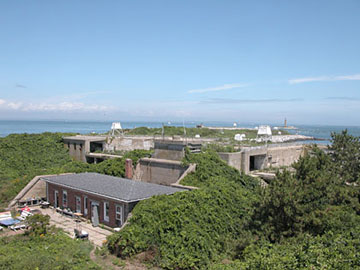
(310, 79)
(218, 88)
(355, 77)
(52, 107)
(14, 105)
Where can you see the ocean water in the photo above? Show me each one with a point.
(85, 127)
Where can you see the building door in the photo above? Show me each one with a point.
(78, 204)
(85, 205)
(252, 163)
(56, 199)
(95, 213)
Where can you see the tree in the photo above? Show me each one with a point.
(314, 199)
(345, 153)
(38, 224)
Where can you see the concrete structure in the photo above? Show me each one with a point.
(32, 194)
(101, 198)
(80, 146)
(165, 166)
(129, 143)
(261, 157)
(175, 149)
(159, 171)
(87, 148)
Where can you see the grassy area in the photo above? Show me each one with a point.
(191, 132)
(54, 250)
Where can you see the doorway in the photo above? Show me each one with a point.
(56, 199)
(95, 214)
(257, 162)
(85, 205)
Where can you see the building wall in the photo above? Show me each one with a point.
(284, 156)
(159, 171)
(129, 144)
(77, 149)
(170, 150)
(72, 203)
(232, 159)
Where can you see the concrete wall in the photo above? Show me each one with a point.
(129, 143)
(284, 156)
(232, 159)
(157, 171)
(77, 149)
(264, 157)
(170, 150)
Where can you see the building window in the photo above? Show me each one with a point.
(78, 204)
(106, 211)
(64, 204)
(80, 146)
(118, 214)
(68, 145)
(74, 146)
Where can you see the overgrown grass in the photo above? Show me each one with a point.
(51, 251)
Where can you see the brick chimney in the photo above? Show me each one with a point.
(128, 169)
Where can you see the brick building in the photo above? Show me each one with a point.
(101, 198)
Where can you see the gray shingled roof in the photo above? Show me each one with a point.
(109, 186)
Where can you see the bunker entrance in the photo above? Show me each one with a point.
(257, 162)
(96, 147)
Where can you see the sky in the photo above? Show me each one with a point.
(244, 61)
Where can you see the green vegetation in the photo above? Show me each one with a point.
(44, 247)
(210, 166)
(303, 220)
(329, 251)
(54, 250)
(38, 224)
(23, 156)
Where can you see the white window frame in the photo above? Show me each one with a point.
(119, 214)
(106, 211)
(64, 200)
(56, 194)
(77, 204)
(85, 205)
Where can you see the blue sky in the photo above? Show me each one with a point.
(244, 61)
